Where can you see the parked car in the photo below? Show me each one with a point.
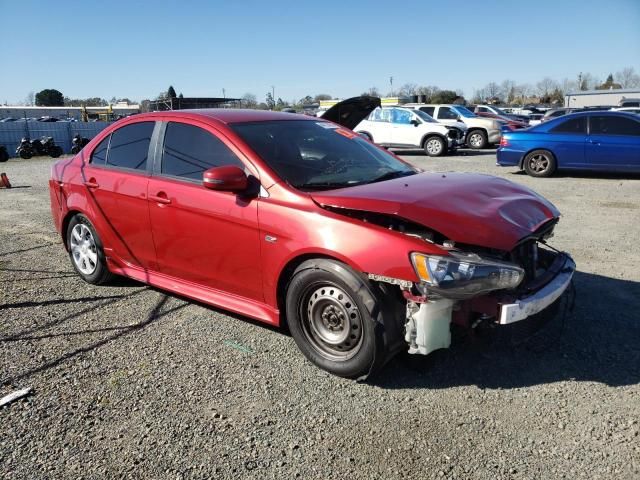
(8, 120)
(629, 102)
(627, 109)
(481, 132)
(295, 220)
(508, 122)
(535, 119)
(498, 112)
(397, 127)
(593, 140)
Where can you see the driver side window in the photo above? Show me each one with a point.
(446, 113)
(401, 117)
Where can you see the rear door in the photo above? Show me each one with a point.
(613, 143)
(116, 178)
(379, 126)
(202, 236)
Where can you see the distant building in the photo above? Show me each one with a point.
(598, 98)
(117, 110)
(185, 103)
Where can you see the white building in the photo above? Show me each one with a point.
(599, 98)
(20, 111)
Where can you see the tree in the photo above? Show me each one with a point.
(180, 96)
(322, 96)
(544, 88)
(31, 98)
(280, 104)
(628, 78)
(269, 101)
(171, 93)
(249, 100)
(508, 91)
(49, 98)
(609, 84)
(408, 90)
(372, 92)
(444, 96)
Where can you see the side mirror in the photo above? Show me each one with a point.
(415, 123)
(458, 118)
(229, 178)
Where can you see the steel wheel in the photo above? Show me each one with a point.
(83, 249)
(434, 147)
(332, 323)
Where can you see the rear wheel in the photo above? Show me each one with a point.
(435, 146)
(329, 315)
(85, 251)
(25, 153)
(55, 151)
(477, 139)
(540, 163)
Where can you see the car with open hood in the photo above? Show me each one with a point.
(299, 221)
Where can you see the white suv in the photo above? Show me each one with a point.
(482, 131)
(398, 127)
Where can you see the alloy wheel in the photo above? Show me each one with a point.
(83, 249)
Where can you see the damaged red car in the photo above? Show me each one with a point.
(297, 220)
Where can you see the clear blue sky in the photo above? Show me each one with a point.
(137, 49)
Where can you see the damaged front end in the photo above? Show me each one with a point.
(474, 285)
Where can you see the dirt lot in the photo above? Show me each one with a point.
(130, 382)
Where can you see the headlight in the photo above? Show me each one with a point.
(461, 275)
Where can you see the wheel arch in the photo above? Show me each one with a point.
(427, 136)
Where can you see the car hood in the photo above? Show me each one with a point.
(350, 112)
(473, 209)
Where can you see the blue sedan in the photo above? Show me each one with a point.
(606, 141)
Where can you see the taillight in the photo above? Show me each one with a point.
(504, 142)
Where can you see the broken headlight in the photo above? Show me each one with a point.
(461, 275)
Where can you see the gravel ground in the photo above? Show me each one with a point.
(131, 382)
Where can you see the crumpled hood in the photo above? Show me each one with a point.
(468, 208)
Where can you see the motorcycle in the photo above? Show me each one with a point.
(43, 146)
(4, 155)
(78, 143)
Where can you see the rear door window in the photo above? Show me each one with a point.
(129, 146)
(189, 150)
(573, 125)
(614, 125)
(428, 110)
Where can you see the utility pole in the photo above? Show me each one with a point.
(391, 83)
(224, 95)
(273, 92)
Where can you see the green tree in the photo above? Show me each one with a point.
(444, 96)
(271, 103)
(171, 93)
(322, 96)
(49, 98)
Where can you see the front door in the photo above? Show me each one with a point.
(206, 237)
(116, 178)
(404, 132)
(613, 142)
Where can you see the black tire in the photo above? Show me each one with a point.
(477, 139)
(25, 154)
(326, 298)
(434, 146)
(540, 163)
(4, 156)
(100, 273)
(55, 151)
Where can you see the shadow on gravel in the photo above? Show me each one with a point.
(586, 174)
(598, 342)
(155, 314)
(26, 249)
(461, 152)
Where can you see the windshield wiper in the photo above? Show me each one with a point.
(392, 175)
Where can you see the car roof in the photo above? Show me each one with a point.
(227, 115)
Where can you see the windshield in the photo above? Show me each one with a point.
(464, 111)
(319, 155)
(424, 116)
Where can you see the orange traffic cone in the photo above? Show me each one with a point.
(4, 181)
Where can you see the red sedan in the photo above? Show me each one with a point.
(293, 219)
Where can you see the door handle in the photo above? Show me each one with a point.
(91, 183)
(160, 197)
(593, 142)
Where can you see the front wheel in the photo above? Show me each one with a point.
(435, 146)
(85, 251)
(25, 154)
(327, 306)
(540, 163)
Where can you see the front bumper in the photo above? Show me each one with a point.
(537, 301)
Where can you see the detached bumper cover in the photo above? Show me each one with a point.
(538, 301)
